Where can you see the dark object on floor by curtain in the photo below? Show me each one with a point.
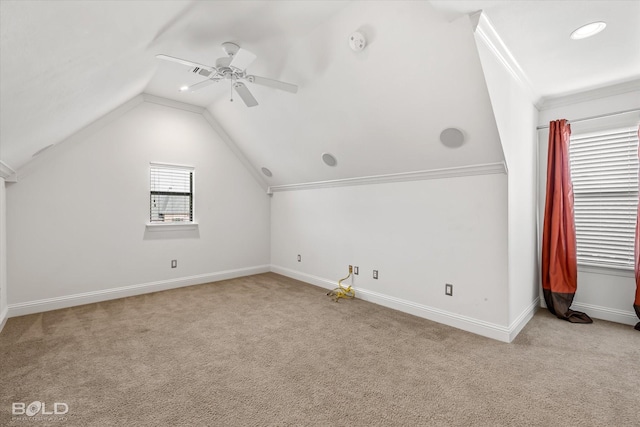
(636, 303)
(559, 259)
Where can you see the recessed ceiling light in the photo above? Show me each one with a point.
(329, 159)
(267, 172)
(588, 30)
(184, 88)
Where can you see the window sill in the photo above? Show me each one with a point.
(607, 271)
(172, 226)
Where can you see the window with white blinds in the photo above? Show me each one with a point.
(604, 172)
(171, 194)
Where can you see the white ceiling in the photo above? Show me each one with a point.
(66, 64)
(537, 34)
(380, 111)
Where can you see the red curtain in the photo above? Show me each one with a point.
(636, 303)
(559, 260)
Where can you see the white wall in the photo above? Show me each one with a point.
(76, 221)
(602, 293)
(516, 118)
(3, 254)
(419, 235)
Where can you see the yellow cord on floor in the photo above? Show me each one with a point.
(342, 291)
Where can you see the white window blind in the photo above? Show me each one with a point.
(171, 196)
(604, 171)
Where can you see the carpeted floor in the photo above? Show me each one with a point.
(269, 350)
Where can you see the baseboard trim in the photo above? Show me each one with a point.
(605, 313)
(602, 313)
(304, 277)
(48, 304)
(469, 324)
(521, 321)
(3, 318)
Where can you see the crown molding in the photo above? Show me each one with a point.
(7, 172)
(472, 170)
(549, 102)
(173, 104)
(488, 35)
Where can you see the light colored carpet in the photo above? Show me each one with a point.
(269, 350)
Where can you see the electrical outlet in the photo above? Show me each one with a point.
(356, 270)
(448, 289)
(174, 263)
(299, 258)
(375, 274)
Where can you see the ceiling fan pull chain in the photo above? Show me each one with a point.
(231, 88)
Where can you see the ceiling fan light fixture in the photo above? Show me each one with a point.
(588, 30)
(233, 68)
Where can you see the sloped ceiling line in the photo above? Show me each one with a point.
(7, 172)
(234, 148)
(489, 36)
(215, 125)
(173, 104)
(82, 133)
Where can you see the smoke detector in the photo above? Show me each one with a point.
(357, 42)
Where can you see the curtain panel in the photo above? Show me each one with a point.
(559, 257)
(636, 302)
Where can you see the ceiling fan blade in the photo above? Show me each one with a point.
(273, 83)
(244, 93)
(185, 62)
(200, 85)
(242, 59)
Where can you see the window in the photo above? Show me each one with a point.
(171, 194)
(604, 171)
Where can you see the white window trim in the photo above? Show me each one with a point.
(606, 271)
(595, 268)
(174, 226)
(177, 226)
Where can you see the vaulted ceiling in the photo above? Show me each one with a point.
(537, 34)
(64, 65)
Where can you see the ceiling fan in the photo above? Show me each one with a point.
(233, 68)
